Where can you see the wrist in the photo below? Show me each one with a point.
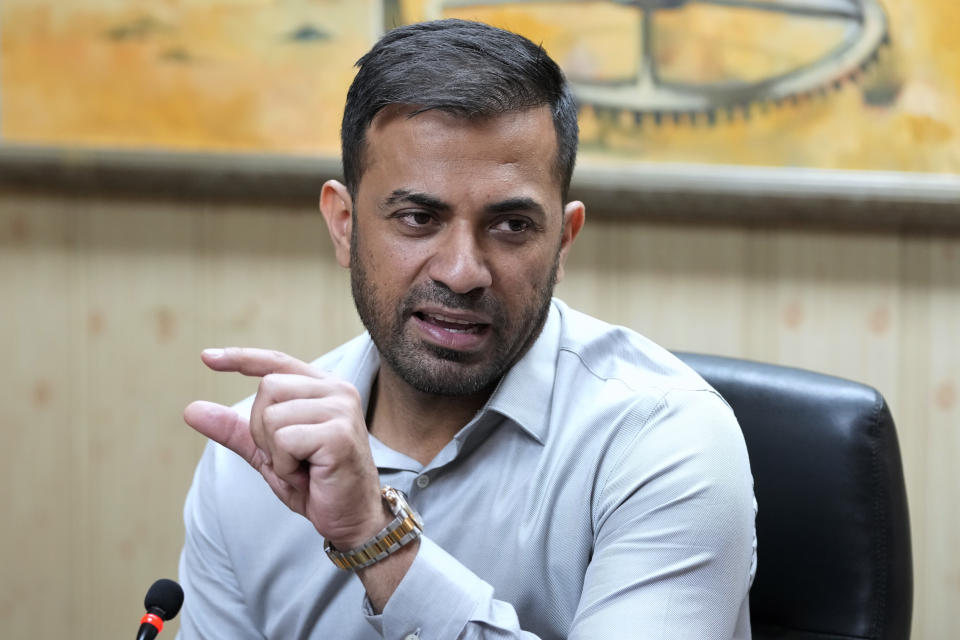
(358, 536)
(380, 580)
(404, 528)
(402, 558)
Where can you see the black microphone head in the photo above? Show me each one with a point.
(165, 595)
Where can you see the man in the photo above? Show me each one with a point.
(573, 479)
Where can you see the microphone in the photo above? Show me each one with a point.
(163, 602)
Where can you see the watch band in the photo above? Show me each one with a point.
(405, 527)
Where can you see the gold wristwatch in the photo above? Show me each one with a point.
(405, 527)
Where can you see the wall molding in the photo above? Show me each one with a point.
(681, 192)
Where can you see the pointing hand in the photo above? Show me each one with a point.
(307, 437)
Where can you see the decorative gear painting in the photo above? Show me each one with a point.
(719, 30)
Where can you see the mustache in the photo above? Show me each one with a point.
(479, 300)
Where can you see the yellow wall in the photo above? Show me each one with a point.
(231, 75)
(107, 301)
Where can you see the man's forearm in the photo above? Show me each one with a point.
(382, 578)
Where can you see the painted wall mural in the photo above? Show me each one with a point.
(846, 84)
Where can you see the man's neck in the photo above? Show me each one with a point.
(414, 423)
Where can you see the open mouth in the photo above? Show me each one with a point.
(454, 325)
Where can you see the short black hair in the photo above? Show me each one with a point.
(468, 69)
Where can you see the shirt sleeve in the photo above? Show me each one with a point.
(441, 598)
(674, 544)
(213, 603)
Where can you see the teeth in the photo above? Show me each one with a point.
(451, 320)
(446, 322)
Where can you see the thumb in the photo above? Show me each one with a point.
(222, 425)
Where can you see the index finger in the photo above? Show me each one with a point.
(255, 362)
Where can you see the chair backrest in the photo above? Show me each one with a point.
(833, 533)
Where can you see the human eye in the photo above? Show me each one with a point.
(415, 220)
(517, 226)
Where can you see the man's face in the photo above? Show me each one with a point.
(458, 235)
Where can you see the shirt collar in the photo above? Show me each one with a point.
(524, 395)
(359, 366)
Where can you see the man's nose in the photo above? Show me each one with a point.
(459, 262)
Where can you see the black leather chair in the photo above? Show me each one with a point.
(833, 533)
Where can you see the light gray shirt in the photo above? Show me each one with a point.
(603, 492)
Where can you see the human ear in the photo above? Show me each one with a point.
(574, 214)
(336, 205)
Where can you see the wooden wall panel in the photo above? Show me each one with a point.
(137, 264)
(934, 466)
(643, 277)
(912, 411)
(108, 301)
(44, 486)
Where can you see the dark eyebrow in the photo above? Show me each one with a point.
(515, 204)
(421, 199)
(510, 205)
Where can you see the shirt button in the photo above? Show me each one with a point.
(422, 482)
(412, 636)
